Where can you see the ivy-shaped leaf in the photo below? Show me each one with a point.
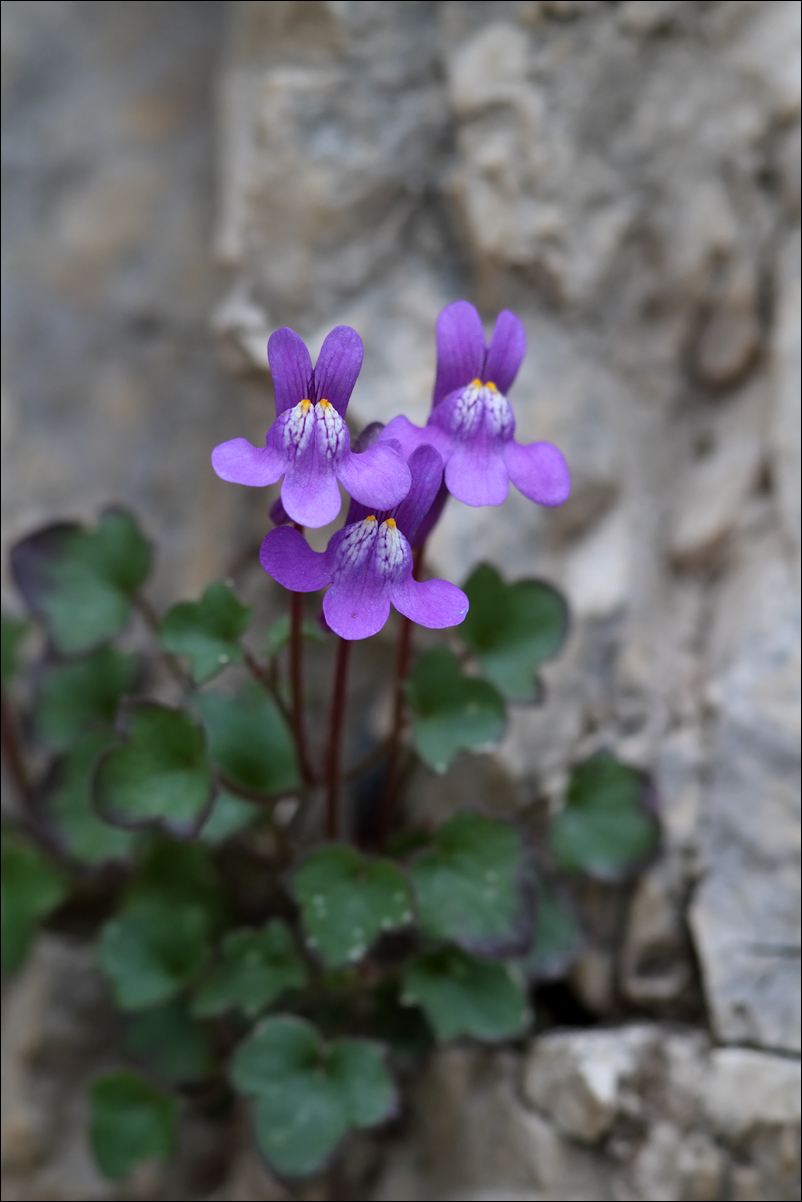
(604, 828)
(31, 888)
(309, 1094)
(159, 775)
(256, 968)
(249, 740)
(208, 631)
(14, 631)
(347, 901)
(151, 950)
(229, 816)
(131, 1122)
(80, 697)
(462, 995)
(451, 712)
(170, 1041)
(66, 799)
(512, 629)
(81, 582)
(474, 886)
(558, 936)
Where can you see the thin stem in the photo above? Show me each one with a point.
(151, 620)
(265, 679)
(336, 719)
(12, 754)
(392, 778)
(297, 678)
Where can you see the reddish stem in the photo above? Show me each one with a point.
(336, 720)
(297, 682)
(392, 777)
(12, 754)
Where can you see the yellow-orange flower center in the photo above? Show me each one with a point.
(477, 383)
(390, 522)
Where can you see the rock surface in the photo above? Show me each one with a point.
(626, 177)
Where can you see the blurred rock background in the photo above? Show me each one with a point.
(183, 177)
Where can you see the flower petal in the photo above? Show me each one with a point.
(337, 367)
(434, 603)
(539, 471)
(476, 473)
(242, 463)
(507, 350)
(426, 468)
(460, 349)
(410, 436)
(378, 477)
(290, 367)
(287, 557)
(309, 493)
(356, 607)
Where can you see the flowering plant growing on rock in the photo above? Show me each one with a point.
(277, 924)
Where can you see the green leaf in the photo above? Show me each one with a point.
(347, 901)
(67, 798)
(177, 873)
(228, 817)
(208, 631)
(31, 888)
(462, 995)
(160, 774)
(512, 629)
(172, 1041)
(83, 696)
(257, 967)
(14, 631)
(309, 1094)
(131, 1122)
(451, 712)
(81, 582)
(474, 886)
(604, 828)
(151, 950)
(249, 740)
(278, 636)
(557, 939)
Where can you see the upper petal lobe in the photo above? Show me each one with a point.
(290, 367)
(460, 349)
(337, 367)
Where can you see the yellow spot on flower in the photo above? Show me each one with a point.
(489, 384)
(390, 522)
(305, 403)
(371, 517)
(477, 383)
(326, 404)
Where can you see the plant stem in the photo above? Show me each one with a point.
(336, 719)
(297, 678)
(392, 778)
(151, 620)
(263, 676)
(12, 754)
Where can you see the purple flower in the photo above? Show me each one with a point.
(472, 423)
(308, 443)
(369, 562)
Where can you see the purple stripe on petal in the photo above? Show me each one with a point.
(287, 557)
(476, 473)
(434, 603)
(356, 607)
(426, 468)
(242, 463)
(460, 349)
(290, 367)
(378, 477)
(507, 350)
(337, 367)
(539, 471)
